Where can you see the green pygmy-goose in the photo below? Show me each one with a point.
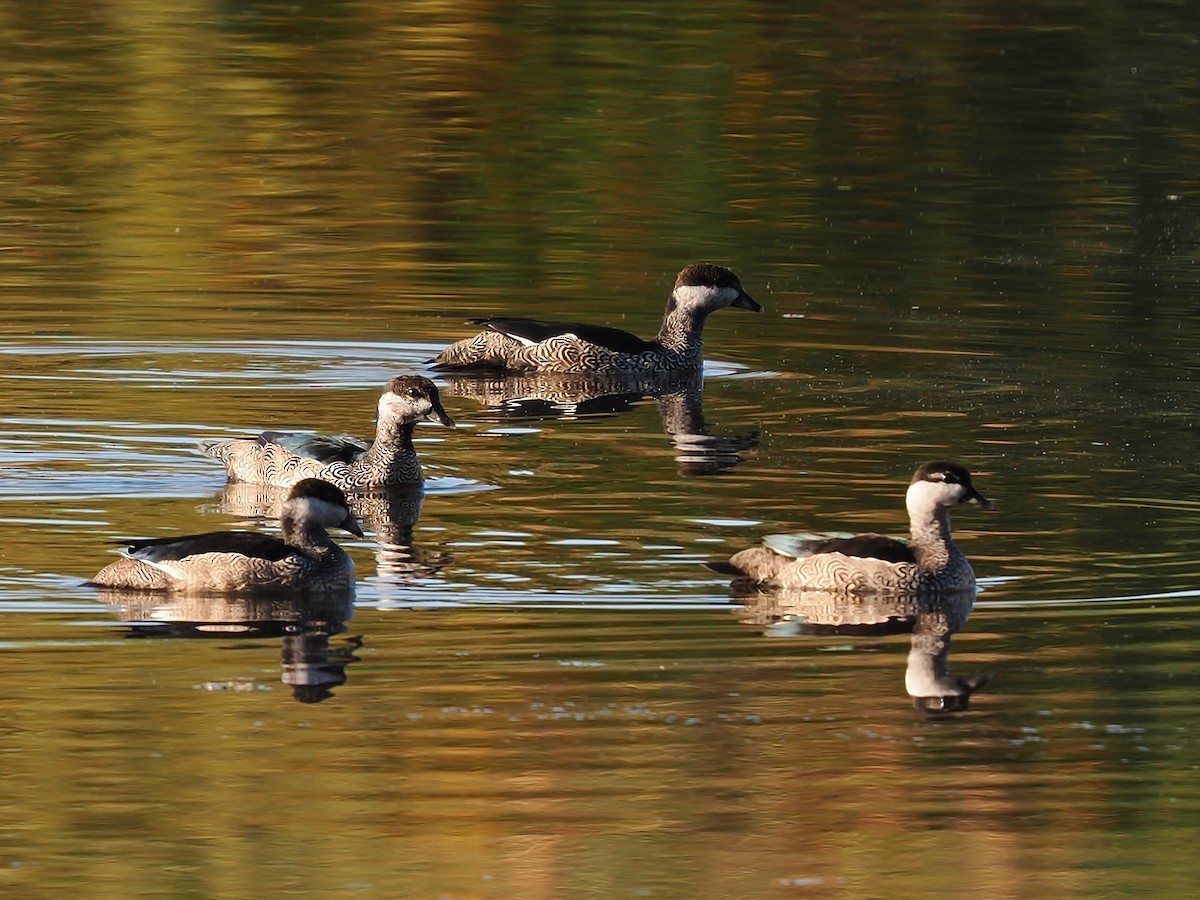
(228, 562)
(282, 458)
(536, 345)
(865, 563)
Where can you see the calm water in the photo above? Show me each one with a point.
(975, 233)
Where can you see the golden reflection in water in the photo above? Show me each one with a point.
(563, 752)
(311, 667)
(967, 224)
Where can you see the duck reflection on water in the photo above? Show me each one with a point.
(932, 618)
(680, 399)
(390, 514)
(311, 665)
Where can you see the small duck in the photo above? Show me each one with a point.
(283, 458)
(867, 563)
(572, 347)
(226, 562)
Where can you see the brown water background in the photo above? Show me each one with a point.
(974, 229)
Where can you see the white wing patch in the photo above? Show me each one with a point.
(797, 545)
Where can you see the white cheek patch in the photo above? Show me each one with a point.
(397, 406)
(926, 493)
(693, 294)
(705, 295)
(943, 493)
(728, 295)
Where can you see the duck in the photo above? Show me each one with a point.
(867, 563)
(523, 345)
(283, 458)
(230, 562)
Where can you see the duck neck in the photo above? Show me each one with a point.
(927, 673)
(393, 446)
(682, 332)
(306, 536)
(931, 539)
(682, 407)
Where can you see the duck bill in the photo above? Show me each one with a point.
(745, 301)
(978, 499)
(350, 524)
(436, 413)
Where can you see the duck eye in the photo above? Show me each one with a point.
(414, 392)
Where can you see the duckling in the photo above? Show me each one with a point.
(867, 563)
(533, 344)
(283, 458)
(227, 562)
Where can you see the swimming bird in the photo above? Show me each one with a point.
(244, 561)
(535, 344)
(282, 458)
(865, 563)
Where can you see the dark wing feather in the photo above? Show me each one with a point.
(538, 330)
(324, 448)
(247, 543)
(869, 546)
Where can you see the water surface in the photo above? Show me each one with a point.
(974, 232)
